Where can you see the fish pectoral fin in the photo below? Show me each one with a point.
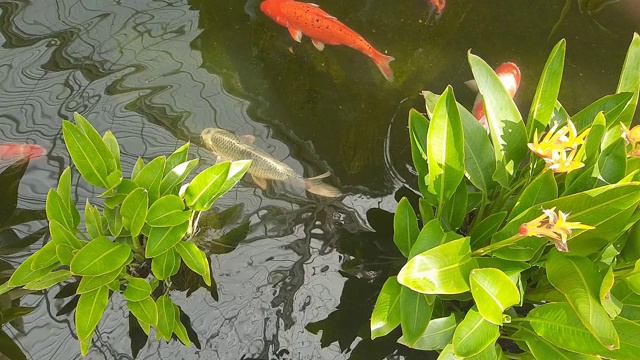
(261, 182)
(318, 44)
(472, 84)
(249, 139)
(296, 34)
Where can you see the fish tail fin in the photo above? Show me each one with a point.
(316, 186)
(383, 64)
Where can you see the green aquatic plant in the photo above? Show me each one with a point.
(525, 242)
(147, 222)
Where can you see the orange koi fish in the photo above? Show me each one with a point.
(509, 75)
(438, 6)
(14, 151)
(308, 19)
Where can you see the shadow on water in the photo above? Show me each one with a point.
(296, 277)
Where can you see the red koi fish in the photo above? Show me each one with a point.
(438, 6)
(14, 151)
(308, 19)
(509, 75)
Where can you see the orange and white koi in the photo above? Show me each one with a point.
(308, 19)
(14, 151)
(437, 6)
(509, 75)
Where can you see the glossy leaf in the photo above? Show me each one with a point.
(64, 190)
(583, 178)
(137, 289)
(405, 227)
(24, 274)
(150, 176)
(179, 156)
(508, 133)
(630, 79)
(415, 313)
(114, 147)
(90, 308)
(455, 209)
(237, 169)
(543, 188)
(445, 148)
(609, 302)
(96, 140)
(547, 91)
(125, 187)
(431, 236)
(165, 265)
(99, 257)
(438, 334)
(61, 236)
(165, 238)
(611, 105)
(473, 335)
(114, 219)
(493, 293)
(508, 267)
(93, 220)
(145, 310)
(86, 157)
(176, 175)
(90, 283)
(486, 228)
(167, 211)
(179, 329)
(192, 257)
(542, 349)
(57, 210)
(49, 280)
(65, 253)
(166, 317)
(442, 270)
(134, 210)
(386, 312)
(205, 187)
(418, 127)
(45, 256)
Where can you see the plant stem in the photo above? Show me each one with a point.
(499, 245)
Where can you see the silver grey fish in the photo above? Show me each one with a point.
(264, 166)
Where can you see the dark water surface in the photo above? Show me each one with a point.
(158, 72)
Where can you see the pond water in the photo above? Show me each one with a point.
(157, 73)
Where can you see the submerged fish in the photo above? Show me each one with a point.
(437, 6)
(14, 151)
(308, 19)
(264, 166)
(509, 75)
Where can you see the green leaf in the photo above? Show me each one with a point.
(137, 289)
(544, 101)
(473, 335)
(442, 270)
(542, 188)
(405, 227)
(57, 210)
(629, 346)
(165, 238)
(150, 177)
(237, 169)
(93, 220)
(90, 283)
(90, 308)
(166, 317)
(166, 264)
(179, 156)
(167, 211)
(508, 267)
(85, 155)
(560, 325)
(445, 148)
(99, 257)
(486, 228)
(12, 313)
(85, 126)
(64, 190)
(49, 280)
(455, 209)
(179, 329)
(24, 274)
(418, 127)
(113, 180)
(114, 219)
(114, 148)
(9, 348)
(176, 175)
(134, 210)
(630, 79)
(125, 187)
(508, 133)
(85, 345)
(609, 302)
(44, 257)
(612, 162)
(611, 105)
(542, 349)
(137, 167)
(205, 187)
(192, 257)
(415, 313)
(230, 240)
(61, 236)
(431, 236)
(581, 179)
(386, 312)
(65, 253)
(439, 333)
(144, 310)
(493, 293)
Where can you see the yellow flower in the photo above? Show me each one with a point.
(572, 141)
(631, 136)
(554, 146)
(553, 226)
(563, 163)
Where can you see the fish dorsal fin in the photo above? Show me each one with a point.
(296, 34)
(261, 182)
(249, 139)
(318, 44)
(472, 84)
(312, 4)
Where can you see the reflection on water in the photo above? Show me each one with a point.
(158, 72)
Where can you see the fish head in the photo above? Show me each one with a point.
(272, 8)
(214, 137)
